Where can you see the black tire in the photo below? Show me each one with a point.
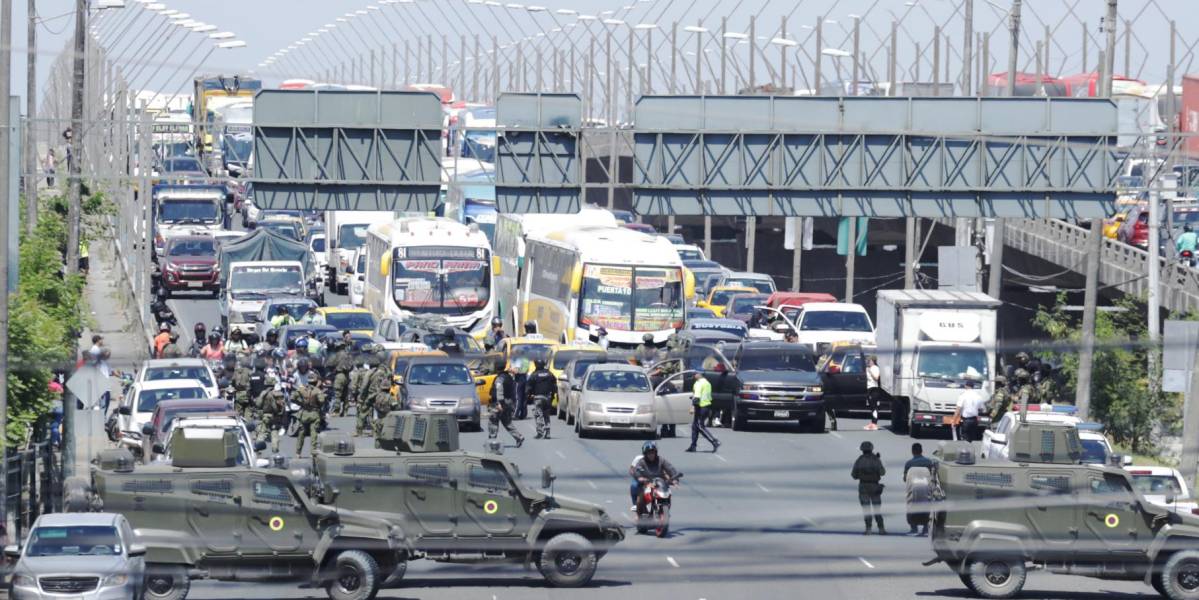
(662, 526)
(966, 582)
(997, 576)
(739, 419)
(166, 583)
(1156, 581)
(1180, 576)
(568, 560)
(356, 576)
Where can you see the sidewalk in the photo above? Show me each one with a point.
(112, 313)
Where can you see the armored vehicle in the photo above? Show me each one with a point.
(993, 520)
(202, 516)
(458, 506)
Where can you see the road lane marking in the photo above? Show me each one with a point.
(866, 562)
(763, 488)
(810, 521)
(560, 454)
(672, 561)
(592, 484)
(836, 435)
(723, 459)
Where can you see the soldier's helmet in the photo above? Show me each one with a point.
(1021, 375)
(648, 338)
(1000, 379)
(1022, 357)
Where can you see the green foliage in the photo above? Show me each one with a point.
(44, 321)
(1121, 398)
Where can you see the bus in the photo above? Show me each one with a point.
(508, 240)
(579, 279)
(430, 266)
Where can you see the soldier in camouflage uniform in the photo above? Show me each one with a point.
(365, 402)
(241, 391)
(1025, 392)
(342, 364)
(1047, 391)
(311, 400)
(378, 389)
(1000, 399)
(272, 404)
(358, 382)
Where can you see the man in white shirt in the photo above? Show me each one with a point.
(971, 403)
(872, 391)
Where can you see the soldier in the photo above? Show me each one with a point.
(273, 406)
(258, 379)
(868, 470)
(674, 343)
(503, 402)
(379, 390)
(358, 379)
(241, 389)
(1025, 393)
(365, 402)
(311, 400)
(342, 364)
(645, 353)
(1000, 399)
(172, 350)
(1047, 391)
(541, 389)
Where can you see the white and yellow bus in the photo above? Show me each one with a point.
(430, 266)
(511, 233)
(630, 283)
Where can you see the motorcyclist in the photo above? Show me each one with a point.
(236, 344)
(303, 374)
(215, 349)
(541, 389)
(645, 353)
(199, 338)
(267, 343)
(648, 467)
(171, 350)
(1187, 241)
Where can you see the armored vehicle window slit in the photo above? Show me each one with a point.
(266, 491)
(489, 476)
(430, 473)
(1051, 483)
(212, 487)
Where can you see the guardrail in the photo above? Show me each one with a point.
(34, 485)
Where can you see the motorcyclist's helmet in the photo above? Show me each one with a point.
(272, 336)
(214, 338)
(303, 365)
(236, 335)
(497, 322)
(302, 344)
(200, 331)
(648, 446)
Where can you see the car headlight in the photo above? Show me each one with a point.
(645, 409)
(593, 407)
(923, 406)
(815, 389)
(171, 268)
(471, 401)
(115, 580)
(23, 581)
(419, 402)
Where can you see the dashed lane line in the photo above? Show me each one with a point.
(722, 459)
(672, 561)
(764, 488)
(560, 454)
(866, 562)
(592, 484)
(836, 435)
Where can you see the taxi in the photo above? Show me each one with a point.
(719, 296)
(532, 348)
(398, 361)
(564, 353)
(347, 316)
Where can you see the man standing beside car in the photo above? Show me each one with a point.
(701, 403)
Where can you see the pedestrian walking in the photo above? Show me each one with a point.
(873, 391)
(503, 404)
(701, 404)
(541, 388)
(917, 478)
(50, 166)
(868, 470)
(971, 403)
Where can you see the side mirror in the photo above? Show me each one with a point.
(158, 449)
(999, 438)
(574, 387)
(147, 429)
(136, 550)
(260, 446)
(12, 551)
(480, 381)
(547, 477)
(125, 410)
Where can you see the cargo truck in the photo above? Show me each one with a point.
(345, 233)
(930, 344)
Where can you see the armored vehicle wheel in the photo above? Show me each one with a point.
(1180, 576)
(75, 495)
(966, 582)
(996, 577)
(568, 560)
(166, 583)
(1158, 585)
(356, 576)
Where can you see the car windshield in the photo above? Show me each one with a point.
(181, 165)
(237, 147)
(531, 352)
(582, 365)
(266, 281)
(188, 211)
(351, 236)
(74, 540)
(197, 372)
(350, 320)
(835, 320)
(1157, 485)
(465, 341)
(283, 228)
(147, 400)
(439, 374)
(952, 363)
(699, 313)
(617, 381)
(792, 359)
(296, 309)
(441, 280)
(745, 305)
(318, 244)
(192, 247)
(1094, 452)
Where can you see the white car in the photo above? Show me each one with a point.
(179, 368)
(821, 324)
(205, 425)
(1162, 486)
(78, 555)
(1096, 449)
(316, 242)
(690, 252)
(358, 282)
(137, 407)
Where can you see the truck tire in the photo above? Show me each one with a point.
(356, 576)
(76, 495)
(1158, 585)
(168, 582)
(739, 419)
(996, 576)
(1180, 576)
(568, 560)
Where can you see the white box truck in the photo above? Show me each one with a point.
(930, 342)
(345, 232)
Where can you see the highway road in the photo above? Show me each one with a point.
(774, 514)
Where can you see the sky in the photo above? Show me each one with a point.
(267, 25)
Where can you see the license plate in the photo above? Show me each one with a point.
(621, 420)
(782, 414)
(195, 284)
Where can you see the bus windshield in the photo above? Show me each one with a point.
(631, 299)
(442, 280)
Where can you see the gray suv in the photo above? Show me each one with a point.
(441, 384)
(89, 556)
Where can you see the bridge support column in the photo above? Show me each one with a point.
(851, 254)
(995, 283)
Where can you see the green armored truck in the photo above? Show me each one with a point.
(993, 521)
(457, 506)
(203, 516)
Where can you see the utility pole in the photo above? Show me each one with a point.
(995, 276)
(6, 176)
(1086, 354)
(967, 49)
(76, 141)
(31, 154)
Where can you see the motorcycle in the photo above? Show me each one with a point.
(1187, 257)
(654, 508)
(162, 312)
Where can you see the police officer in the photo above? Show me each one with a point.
(868, 470)
(311, 400)
(342, 364)
(495, 336)
(1000, 399)
(272, 403)
(1025, 393)
(379, 390)
(645, 353)
(701, 404)
(503, 403)
(541, 389)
